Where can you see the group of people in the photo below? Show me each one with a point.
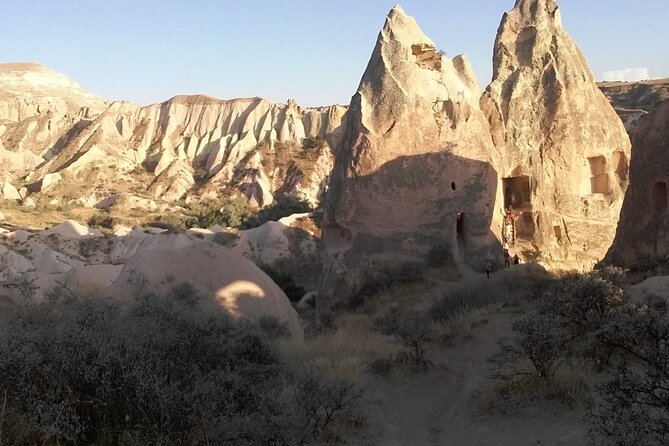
(508, 259)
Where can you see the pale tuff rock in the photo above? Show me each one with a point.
(562, 153)
(289, 245)
(9, 192)
(236, 283)
(48, 121)
(39, 109)
(413, 170)
(644, 226)
(91, 264)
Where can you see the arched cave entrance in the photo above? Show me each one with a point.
(659, 195)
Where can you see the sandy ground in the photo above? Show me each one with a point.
(440, 407)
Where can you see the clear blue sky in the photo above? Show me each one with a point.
(312, 50)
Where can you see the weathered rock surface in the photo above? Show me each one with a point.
(562, 152)
(414, 168)
(644, 223)
(86, 262)
(289, 245)
(631, 100)
(49, 125)
(39, 109)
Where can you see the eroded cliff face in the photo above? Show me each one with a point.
(196, 146)
(413, 171)
(644, 224)
(38, 107)
(562, 153)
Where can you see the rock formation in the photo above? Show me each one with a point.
(631, 100)
(644, 224)
(50, 125)
(562, 154)
(413, 171)
(92, 264)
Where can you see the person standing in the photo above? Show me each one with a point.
(488, 268)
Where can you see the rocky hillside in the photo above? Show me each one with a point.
(56, 137)
(632, 100)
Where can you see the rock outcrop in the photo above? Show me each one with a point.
(562, 152)
(165, 151)
(144, 260)
(643, 230)
(631, 100)
(413, 171)
(39, 109)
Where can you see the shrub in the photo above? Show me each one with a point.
(635, 404)
(156, 370)
(101, 221)
(410, 330)
(285, 281)
(537, 349)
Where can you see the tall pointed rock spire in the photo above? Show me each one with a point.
(414, 159)
(562, 151)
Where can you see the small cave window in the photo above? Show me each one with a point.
(452, 186)
(427, 56)
(599, 179)
(659, 194)
(558, 233)
(517, 192)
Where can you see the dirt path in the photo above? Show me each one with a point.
(439, 407)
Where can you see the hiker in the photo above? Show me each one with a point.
(516, 260)
(507, 258)
(488, 268)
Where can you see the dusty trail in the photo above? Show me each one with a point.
(439, 407)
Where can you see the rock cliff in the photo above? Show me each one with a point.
(413, 171)
(561, 151)
(49, 125)
(644, 227)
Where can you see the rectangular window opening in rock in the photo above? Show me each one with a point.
(599, 178)
(517, 192)
(659, 195)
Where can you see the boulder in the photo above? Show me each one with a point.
(9, 192)
(239, 286)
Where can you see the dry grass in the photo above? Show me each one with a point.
(572, 384)
(345, 353)
(43, 216)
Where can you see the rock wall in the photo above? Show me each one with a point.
(562, 153)
(414, 167)
(644, 223)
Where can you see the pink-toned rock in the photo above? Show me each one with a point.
(239, 286)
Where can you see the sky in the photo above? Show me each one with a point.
(314, 51)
